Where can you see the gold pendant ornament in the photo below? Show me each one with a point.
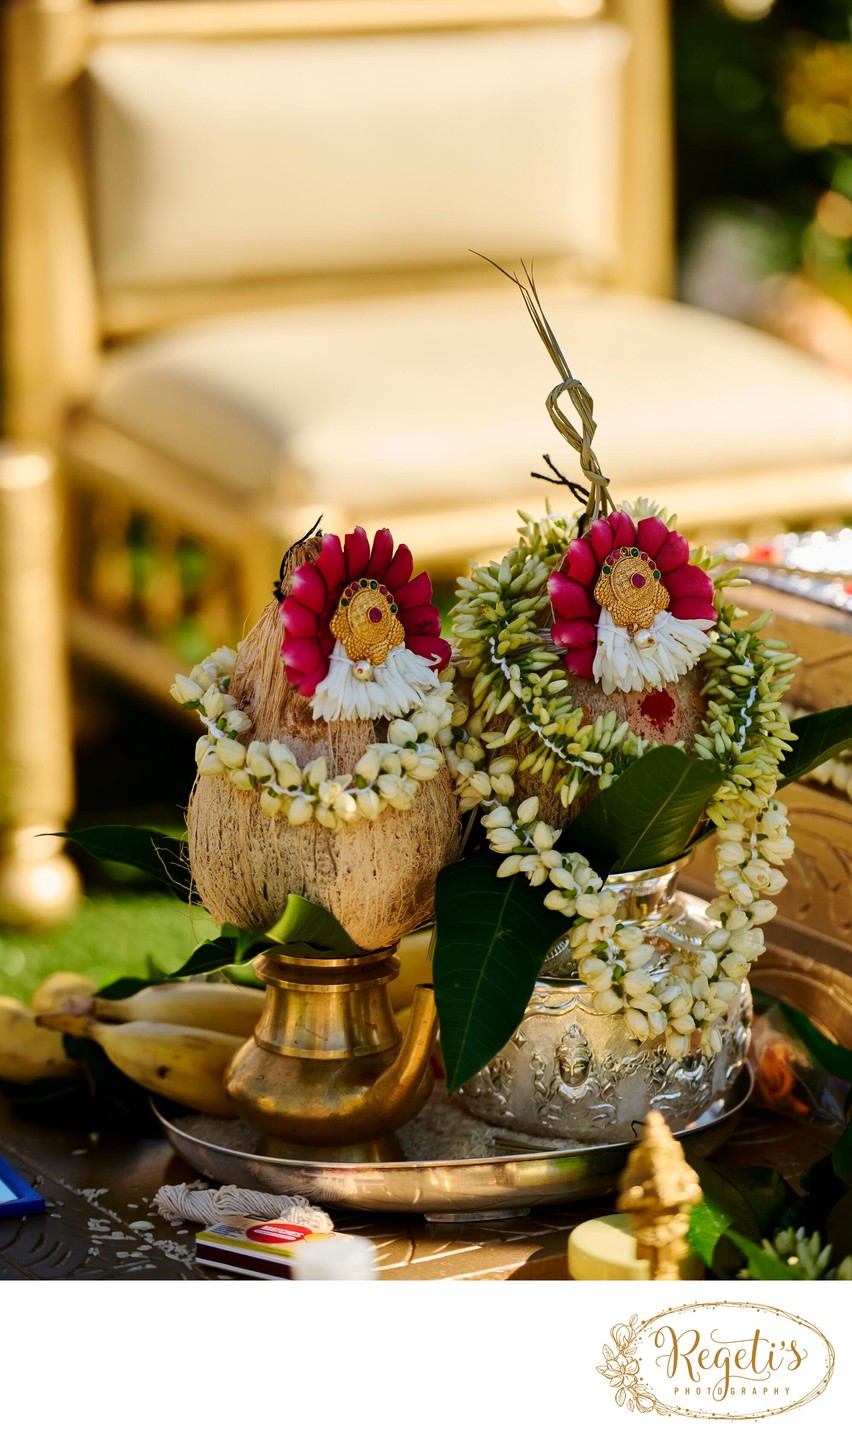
(366, 622)
(630, 588)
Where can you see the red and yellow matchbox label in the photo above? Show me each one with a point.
(258, 1249)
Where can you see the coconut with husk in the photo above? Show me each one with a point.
(376, 876)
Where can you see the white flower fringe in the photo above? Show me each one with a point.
(621, 663)
(210, 1205)
(397, 686)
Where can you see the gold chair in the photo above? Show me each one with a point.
(237, 292)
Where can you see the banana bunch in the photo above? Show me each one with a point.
(173, 1039)
(224, 1008)
(27, 1052)
(181, 1063)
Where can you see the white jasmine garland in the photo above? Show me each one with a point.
(387, 774)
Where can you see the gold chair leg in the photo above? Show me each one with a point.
(38, 884)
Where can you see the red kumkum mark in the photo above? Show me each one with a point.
(658, 708)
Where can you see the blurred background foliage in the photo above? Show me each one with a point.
(763, 123)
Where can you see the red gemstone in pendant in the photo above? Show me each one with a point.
(637, 580)
(375, 616)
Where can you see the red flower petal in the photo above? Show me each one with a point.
(673, 553)
(690, 583)
(436, 651)
(309, 589)
(423, 619)
(356, 550)
(570, 599)
(417, 591)
(600, 538)
(307, 683)
(330, 563)
(573, 633)
(380, 555)
(693, 609)
(302, 655)
(581, 661)
(400, 569)
(651, 534)
(298, 621)
(623, 530)
(580, 562)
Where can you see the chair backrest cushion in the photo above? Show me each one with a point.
(236, 160)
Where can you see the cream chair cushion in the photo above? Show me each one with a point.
(221, 161)
(436, 402)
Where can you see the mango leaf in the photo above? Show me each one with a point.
(220, 953)
(160, 855)
(762, 1264)
(841, 1156)
(305, 930)
(648, 816)
(308, 931)
(491, 936)
(747, 1199)
(818, 737)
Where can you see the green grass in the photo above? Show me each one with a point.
(111, 935)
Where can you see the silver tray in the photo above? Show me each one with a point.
(513, 1178)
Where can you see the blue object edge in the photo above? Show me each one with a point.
(26, 1199)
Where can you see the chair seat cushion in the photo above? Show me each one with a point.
(437, 400)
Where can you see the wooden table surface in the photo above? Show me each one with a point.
(98, 1186)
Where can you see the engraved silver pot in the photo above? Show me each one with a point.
(570, 1073)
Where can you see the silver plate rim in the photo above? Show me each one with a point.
(725, 1109)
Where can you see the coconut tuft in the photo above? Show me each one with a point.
(377, 878)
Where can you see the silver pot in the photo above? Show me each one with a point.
(570, 1073)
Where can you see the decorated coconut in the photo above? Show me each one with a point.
(616, 713)
(319, 773)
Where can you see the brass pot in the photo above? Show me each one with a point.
(327, 1073)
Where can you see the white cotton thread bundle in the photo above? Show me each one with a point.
(398, 685)
(212, 1205)
(673, 648)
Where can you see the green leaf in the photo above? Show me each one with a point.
(841, 1156)
(818, 737)
(308, 931)
(762, 1264)
(219, 953)
(160, 855)
(648, 816)
(491, 936)
(305, 930)
(748, 1199)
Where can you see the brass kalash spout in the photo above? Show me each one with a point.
(327, 1074)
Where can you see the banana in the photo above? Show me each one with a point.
(224, 1008)
(28, 1053)
(184, 1064)
(414, 954)
(51, 995)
